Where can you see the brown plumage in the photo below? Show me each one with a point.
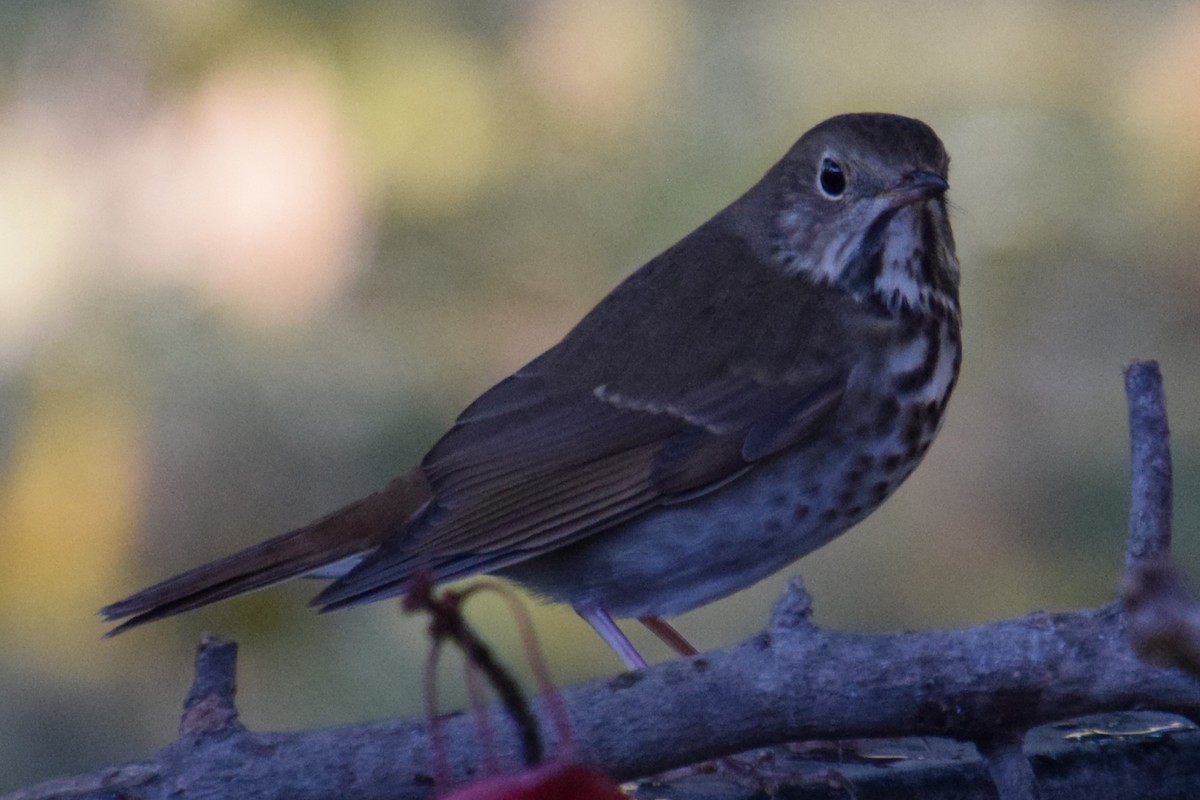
(803, 339)
(352, 530)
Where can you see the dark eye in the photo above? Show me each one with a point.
(832, 179)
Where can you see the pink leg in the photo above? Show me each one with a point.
(673, 638)
(604, 625)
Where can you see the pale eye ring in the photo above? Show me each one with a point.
(831, 179)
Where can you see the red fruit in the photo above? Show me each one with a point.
(553, 781)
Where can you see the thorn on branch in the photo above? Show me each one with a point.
(793, 609)
(209, 708)
(1008, 767)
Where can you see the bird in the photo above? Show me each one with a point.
(740, 400)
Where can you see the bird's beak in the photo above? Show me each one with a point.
(915, 187)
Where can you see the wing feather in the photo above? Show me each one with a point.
(531, 474)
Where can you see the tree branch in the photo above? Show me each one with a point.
(1150, 465)
(793, 682)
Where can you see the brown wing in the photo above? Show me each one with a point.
(525, 471)
(627, 413)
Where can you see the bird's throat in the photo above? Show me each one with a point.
(902, 266)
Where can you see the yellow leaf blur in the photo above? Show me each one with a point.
(68, 508)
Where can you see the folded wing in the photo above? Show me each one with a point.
(528, 468)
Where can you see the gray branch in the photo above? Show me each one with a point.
(1150, 504)
(793, 682)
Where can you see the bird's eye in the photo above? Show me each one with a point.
(831, 179)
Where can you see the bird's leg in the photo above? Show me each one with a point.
(604, 625)
(671, 637)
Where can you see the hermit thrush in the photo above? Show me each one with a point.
(739, 401)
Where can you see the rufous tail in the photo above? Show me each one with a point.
(353, 531)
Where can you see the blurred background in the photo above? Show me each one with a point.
(255, 256)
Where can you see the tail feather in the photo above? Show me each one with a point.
(344, 536)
